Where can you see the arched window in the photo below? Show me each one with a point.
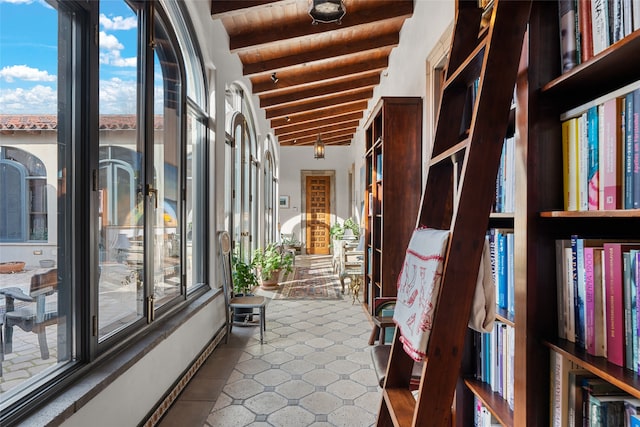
(23, 196)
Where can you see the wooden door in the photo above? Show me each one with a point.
(318, 209)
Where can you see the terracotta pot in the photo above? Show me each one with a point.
(11, 267)
(270, 283)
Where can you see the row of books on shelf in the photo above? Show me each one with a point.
(494, 359)
(587, 27)
(579, 398)
(601, 155)
(482, 417)
(598, 302)
(501, 244)
(506, 178)
(377, 173)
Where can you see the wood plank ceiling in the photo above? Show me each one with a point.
(325, 73)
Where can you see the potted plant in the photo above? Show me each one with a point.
(269, 262)
(244, 276)
(244, 281)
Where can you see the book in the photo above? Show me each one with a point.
(570, 141)
(635, 130)
(559, 383)
(596, 334)
(586, 31)
(611, 152)
(614, 300)
(583, 163)
(606, 411)
(600, 25)
(568, 42)
(629, 328)
(593, 158)
(561, 287)
(577, 262)
(628, 151)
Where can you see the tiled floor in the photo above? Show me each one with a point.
(314, 369)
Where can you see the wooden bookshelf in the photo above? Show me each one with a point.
(393, 153)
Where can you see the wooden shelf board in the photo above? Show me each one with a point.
(620, 213)
(493, 401)
(623, 378)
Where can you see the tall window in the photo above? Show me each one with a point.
(102, 171)
(269, 184)
(23, 196)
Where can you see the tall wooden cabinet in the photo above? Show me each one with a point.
(393, 160)
(543, 94)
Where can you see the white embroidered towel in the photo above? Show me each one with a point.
(418, 289)
(483, 309)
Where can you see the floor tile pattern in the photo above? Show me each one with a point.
(314, 369)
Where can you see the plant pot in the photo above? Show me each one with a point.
(271, 282)
(11, 267)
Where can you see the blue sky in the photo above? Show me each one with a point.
(29, 55)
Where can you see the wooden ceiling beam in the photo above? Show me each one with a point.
(314, 124)
(271, 113)
(338, 141)
(294, 77)
(344, 85)
(389, 40)
(372, 12)
(323, 113)
(319, 129)
(328, 137)
(224, 8)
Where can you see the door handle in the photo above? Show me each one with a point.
(154, 191)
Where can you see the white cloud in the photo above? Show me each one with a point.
(23, 72)
(37, 100)
(109, 42)
(118, 96)
(110, 52)
(118, 22)
(17, 1)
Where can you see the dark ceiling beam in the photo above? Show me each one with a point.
(324, 113)
(376, 11)
(357, 46)
(336, 141)
(295, 77)
(318, 103)
(222, 8)
(326, 137)
(352, 83)
(314, 124)
(319, 129)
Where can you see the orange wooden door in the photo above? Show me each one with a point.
(318, 208)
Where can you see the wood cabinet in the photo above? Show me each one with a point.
(393, 159)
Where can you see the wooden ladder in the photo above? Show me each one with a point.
(458, 196)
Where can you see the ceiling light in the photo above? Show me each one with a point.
(318, 149)
(327, 11)
(274, 78)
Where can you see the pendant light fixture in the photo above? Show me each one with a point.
(327, 11)
(318, 149)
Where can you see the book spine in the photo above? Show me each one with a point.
(626, 287)
(628, 152)
(600, 324)
(635, 130)
(593, 175)
(599, 25)
(589, 300)
(634, 311)
(583, 163)
(571, 320)
(586, 31)
(612, 153)
(568, 42)
(614, 303)
(561, 291)
(581, 326)
(635, 6)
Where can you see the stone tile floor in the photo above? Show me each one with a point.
(314, 369)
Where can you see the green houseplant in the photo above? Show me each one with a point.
(269, 261)
(244, 276)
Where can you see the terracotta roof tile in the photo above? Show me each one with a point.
(9, 122)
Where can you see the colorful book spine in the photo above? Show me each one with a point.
(590, 308)
(635, 130)
(600, 25)
(628, 151)
(610, 179)
(577, 254)
(586, 31)
(570, 138)
(593, 175)
(568, 42)
(613, 278)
